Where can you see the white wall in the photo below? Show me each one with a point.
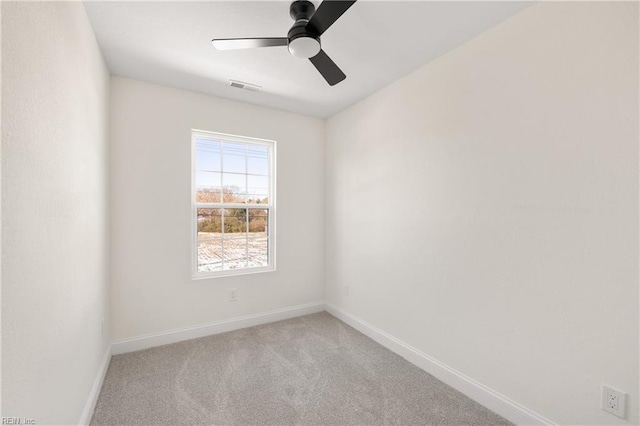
(152, 289)
(484, 209)
(54, 210)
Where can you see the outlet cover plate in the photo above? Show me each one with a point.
(233, 295)
(613, 401)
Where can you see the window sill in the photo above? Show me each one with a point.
(231, 273)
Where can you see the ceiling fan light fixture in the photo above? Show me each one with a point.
(304, 47)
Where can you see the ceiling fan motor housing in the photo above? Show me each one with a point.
(302, 42)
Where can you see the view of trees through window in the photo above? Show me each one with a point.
(232, 204)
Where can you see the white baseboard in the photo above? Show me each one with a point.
(87, 413)
(187, 333)
(491, 399)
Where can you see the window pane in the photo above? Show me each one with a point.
(208, 155)
(208, 187)
(210, 256)
(257, 160)
(235, 253)
(258, 189)
(235, 222)
(258, 252)
(235, 187)
(234, 157)
(209, 224)
(258, 222)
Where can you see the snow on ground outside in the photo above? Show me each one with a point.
(237, 250)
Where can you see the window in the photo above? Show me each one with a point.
(233, 199)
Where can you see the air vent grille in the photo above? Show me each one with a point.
(245, 86)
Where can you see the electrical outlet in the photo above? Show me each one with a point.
(233, 295)
(613, 401)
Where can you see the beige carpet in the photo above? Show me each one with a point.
(311, 370)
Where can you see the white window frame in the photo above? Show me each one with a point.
(271, 206)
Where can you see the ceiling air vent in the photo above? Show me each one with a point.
(245, 86)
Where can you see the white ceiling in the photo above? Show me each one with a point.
(374, 43)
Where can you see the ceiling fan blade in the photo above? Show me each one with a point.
(328, 68)
(328, 12)
(247, 43)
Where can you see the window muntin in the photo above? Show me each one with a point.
(233, 204)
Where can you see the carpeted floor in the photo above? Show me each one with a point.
(311, 370)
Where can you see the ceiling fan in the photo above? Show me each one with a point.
(303, 39)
